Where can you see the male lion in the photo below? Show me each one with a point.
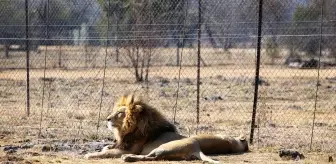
(144, 134)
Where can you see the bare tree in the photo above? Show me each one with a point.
(139, 35)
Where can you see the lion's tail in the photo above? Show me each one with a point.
(203, 157)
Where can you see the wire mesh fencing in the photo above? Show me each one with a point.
(65, 63)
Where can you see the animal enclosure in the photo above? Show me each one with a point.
(266, 69)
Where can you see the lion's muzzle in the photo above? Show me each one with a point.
(110, 125)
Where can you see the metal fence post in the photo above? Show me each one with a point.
(318, 75)
(27, 57)
(256, 82)
(105, 63)
(199, 25)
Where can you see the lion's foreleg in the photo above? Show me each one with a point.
(106, 153)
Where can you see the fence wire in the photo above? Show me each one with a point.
(83, 54)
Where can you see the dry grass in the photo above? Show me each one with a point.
(255, 156)
(71, 102)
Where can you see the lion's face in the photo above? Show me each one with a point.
(115, 120)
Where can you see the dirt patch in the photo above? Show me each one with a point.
(251, 157)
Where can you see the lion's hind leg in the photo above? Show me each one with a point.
(160, 155)
(134, 158)
(155, 155)
(200, 155)
(184, 149)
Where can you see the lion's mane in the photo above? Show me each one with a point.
(142, 123)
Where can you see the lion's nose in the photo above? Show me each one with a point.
(109, 119)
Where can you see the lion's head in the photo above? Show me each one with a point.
(133, 120)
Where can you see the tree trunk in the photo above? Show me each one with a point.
(7, 50)
(116, 37)
(148, 62)
(136, 64)
(86, 55)
(60, 56)
(178, 53)
(333, 53)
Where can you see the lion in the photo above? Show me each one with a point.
(142, 133)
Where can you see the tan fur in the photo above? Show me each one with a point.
(144, 134)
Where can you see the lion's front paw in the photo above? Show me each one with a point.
(87, 156)
(91, 156)
(212, 162)
(128, 158)
(108, 147)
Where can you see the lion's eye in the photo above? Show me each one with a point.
(120, 114)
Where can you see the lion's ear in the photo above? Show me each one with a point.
(138, 108)
(134, 108)
(122, 100)
(133, 103)
(133, 99)
(242, 137)
(130, 100)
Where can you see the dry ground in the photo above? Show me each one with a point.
(255, 156)
(72, 110)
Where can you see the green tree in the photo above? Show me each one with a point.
(274, 12)
(306, 18)
(12, 17)
(62, 15)
(329, 17)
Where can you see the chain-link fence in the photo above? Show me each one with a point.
(207, 65)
